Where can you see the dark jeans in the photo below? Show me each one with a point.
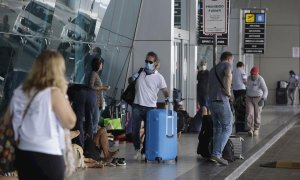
(203, 101)
(84, 105)
(139, 114)
(33, 165)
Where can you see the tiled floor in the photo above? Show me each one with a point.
(286, 148)
(189, 165)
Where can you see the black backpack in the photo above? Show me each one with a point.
(129, 93)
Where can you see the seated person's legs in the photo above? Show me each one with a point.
(101, 141)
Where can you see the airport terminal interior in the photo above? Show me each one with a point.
(183, 33)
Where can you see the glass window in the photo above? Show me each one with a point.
(74, 28)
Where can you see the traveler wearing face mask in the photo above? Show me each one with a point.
(202, 85)
(256, 94)
(293, 84)
(148, 84)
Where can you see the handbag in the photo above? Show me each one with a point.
(8, 145)
(70, 166)
(129, 93)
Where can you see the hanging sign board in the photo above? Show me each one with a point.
(207, 39)
(215, 16)
(254, 31)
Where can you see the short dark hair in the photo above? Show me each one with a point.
(225, 55)
(292, 72)
(96, 64)
(239, 64)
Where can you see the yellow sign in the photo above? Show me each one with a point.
(250, 18)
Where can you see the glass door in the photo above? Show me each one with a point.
(181, 65)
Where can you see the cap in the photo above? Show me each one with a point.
(254, 70)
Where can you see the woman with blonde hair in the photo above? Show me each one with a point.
(39, 112)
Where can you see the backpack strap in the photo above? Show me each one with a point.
(141, 69)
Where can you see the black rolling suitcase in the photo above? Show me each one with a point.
(240, 113)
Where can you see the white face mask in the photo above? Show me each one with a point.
(203, 68)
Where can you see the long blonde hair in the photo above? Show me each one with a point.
(47, 70)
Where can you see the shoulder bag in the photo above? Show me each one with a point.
(8, 144)
(129, 93)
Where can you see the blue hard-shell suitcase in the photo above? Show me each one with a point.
(161, 135)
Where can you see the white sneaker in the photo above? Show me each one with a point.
(255, 133)
(137, 154)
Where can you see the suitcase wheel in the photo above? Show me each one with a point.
(158, 159)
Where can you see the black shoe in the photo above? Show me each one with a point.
(121, 162)
(114, 162)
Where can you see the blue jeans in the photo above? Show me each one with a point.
(139, 114)
(96, 118)
(222, 126)
(84, 105)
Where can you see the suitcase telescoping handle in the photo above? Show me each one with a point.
(172, 121)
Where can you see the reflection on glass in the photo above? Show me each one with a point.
(82, 27)
(4, 26)
(34, 21)
(9, 53)
(41, 10)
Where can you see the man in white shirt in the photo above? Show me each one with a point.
(239, 91)
(239, 80)
(148, 84)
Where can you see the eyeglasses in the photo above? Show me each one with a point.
(150, 62)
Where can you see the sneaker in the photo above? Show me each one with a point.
(137, 154)
(114, 162)
(121, 162)
(219, 160)
(255, 133)
(250, 133)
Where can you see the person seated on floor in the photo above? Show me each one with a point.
(80, 160)
(91, 157)
(100, 142)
